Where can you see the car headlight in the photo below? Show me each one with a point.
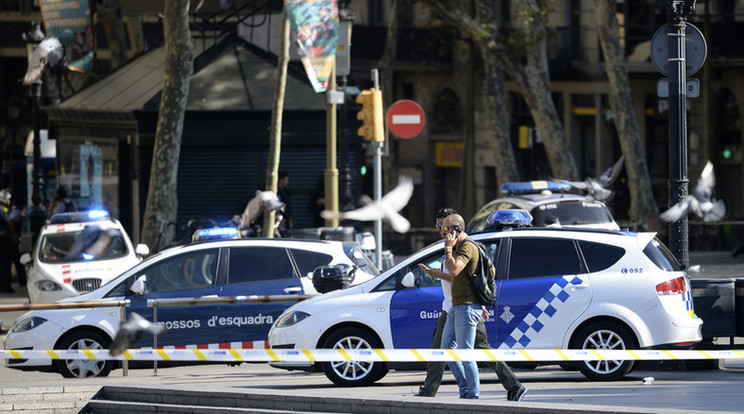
(47, 286)
(27, 324)
(290, 319)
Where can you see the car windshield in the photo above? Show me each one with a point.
(570, 213)
(89, 244)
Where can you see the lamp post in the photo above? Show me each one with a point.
(343, 68)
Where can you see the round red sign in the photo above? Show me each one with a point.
(406, 119)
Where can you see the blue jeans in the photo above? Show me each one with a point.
(459, 332)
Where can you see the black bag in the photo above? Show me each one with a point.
(483, 282)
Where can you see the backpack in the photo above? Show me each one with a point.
(483, 282)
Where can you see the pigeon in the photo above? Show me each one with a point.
(131, 331)
(49, 53)
(700, 202)
(598, 188)
(387, 208)
(264, 201)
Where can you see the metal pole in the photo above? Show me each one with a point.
(345, 196)
(155, 340)
(38, 215)
(124, 362)
(331, 172)
(378, 182)
(678, 182)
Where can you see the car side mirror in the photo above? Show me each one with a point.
(141, 250)
(409, 280)
(25, 259)
(138, 287)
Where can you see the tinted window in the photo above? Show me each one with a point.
(257, 264)
(661, 256)
(88, 244)
(543, 257)
(307, 261)
(422, 279)
(186, 271)
(571, 213)
(599, 256)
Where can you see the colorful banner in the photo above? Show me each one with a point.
(313, 26)
(70, 22)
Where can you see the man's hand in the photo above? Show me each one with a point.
(425, 268)
(485, 313)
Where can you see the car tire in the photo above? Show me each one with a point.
(84, 368)
(353, 373)
(605, 335)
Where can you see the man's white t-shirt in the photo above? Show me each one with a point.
(446, 290)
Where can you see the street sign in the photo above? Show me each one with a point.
(406, 119)
(695, 50)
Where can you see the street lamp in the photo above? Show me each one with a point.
(343, 55)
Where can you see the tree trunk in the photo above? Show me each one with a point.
(524, 58)
(642, 204)
(275, 145)
(506, 165)
(109, 13)
(162, 200)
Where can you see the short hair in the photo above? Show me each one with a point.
(457, 220)
(444, 212)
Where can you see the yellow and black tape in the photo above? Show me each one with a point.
(373, 355)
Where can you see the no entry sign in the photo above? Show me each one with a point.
(406, 119)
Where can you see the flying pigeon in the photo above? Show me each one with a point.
(264, 201)
(598, 188)
(49, 53)
(131, 331)
(700, 202)
(387, 208)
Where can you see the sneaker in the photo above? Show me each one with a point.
(516, 395)
(423, 393)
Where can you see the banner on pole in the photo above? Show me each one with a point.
(313, 26)
(70, 22)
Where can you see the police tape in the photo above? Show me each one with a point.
(373, 355)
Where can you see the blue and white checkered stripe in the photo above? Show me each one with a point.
(687, 299)
(544, 309)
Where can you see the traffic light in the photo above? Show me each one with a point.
(371, 115)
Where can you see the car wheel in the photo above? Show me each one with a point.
(353, 373)
(605, 335)
(84, 368)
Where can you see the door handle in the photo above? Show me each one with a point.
(294, 289)
(581, 286)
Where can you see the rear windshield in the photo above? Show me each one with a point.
(89, 244)
(571, 213)
(661, 256)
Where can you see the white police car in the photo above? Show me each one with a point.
(557, 288)
(78, 252)
(213, 268)
(549, 204)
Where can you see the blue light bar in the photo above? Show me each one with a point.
(509, 218)
(216, 233)
(533, 187)
(79, 217)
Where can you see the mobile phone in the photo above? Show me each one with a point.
(456, 231)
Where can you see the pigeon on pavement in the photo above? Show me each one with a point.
(49, 53)
(386, 209)
(264, 201)
(700, 202)
(598, 188)
(131, 331)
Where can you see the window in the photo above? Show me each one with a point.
(191, 270)
(88, 244)
(599, 256)
(531, 257)
(661, 256)
(422, 279)
(259, 264)
(307, 261)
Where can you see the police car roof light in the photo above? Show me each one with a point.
(79, 217)
(216, 233)
(509, 218)
(533, 187)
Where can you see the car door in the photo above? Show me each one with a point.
(544, 288)
(255, 270)
(190, 274)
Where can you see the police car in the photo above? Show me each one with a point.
(211, 268)
(549, 204)
(76, 253)
(557, 288)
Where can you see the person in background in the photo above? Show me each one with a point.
(59, 204)
(6, 245)
(285, 196)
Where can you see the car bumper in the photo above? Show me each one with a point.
(42, 338)
(295, 337)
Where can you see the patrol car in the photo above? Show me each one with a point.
(556, 288)
(210, 268)
(76, 253)
(549, 203)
